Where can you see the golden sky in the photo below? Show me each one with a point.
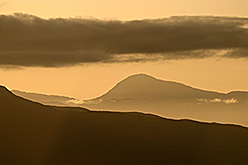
(84, 82)
(125, 10)
(84, 57)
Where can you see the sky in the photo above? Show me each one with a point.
(125, 10)
(83, 48)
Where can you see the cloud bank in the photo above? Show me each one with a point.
(217, 100)
(27, 40)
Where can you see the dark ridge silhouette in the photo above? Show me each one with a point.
(27, 129)
(32, 133)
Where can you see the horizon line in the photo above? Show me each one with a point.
(140, 73)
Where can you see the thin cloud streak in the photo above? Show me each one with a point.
(27, 40)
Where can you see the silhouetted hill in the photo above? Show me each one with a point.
(144, 93)
(142, 86)
(44, 99)
(147, 94)
(27, 129)
(32, 133)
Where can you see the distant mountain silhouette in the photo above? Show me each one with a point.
(147, 94)
(141, 86)
(45, 99)
(32, 133)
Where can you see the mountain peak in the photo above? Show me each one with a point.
(141, 85)
(139, 76)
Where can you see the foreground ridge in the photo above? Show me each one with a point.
(36, 134)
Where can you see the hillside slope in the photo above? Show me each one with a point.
(141, 86)
(37, 134)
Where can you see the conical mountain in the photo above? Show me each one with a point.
(141, 86)
(147, 94)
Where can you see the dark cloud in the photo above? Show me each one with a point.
(27, 40)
